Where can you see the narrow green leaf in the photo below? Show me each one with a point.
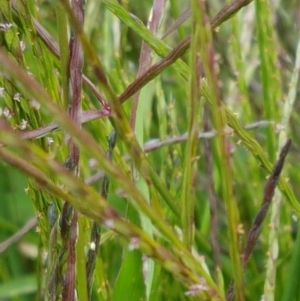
(19, 286)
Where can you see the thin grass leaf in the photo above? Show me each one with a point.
(18, 287)
(63, 51)
(190, 164)
(270, 77)
(222, 156)
(137, 116)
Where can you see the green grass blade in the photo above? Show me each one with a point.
(63, 50)
(291, 285)
(190, 155)
(222, 155)
(18, 287)
(270, 78)
(156, 44)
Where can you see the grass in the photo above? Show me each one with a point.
(124, 212)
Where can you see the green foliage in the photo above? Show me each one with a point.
(144, 159)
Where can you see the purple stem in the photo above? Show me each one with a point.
(145, 54)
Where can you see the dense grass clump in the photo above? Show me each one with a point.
(146, 144)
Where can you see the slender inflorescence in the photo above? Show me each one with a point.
(260, 217)
(68, 218)
(96, 227)
(267, 198)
